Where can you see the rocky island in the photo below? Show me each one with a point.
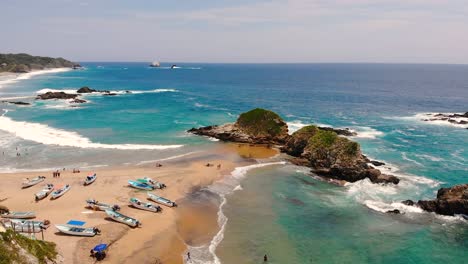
(325, 150)
(22, 63)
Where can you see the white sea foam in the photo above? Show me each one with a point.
(206, 254)
(424, 118)
(295, 125)
(168, 158)
(51, 136)
(13, 78)
(367, 132)
(405, 157)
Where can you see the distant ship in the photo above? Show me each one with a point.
(155, 64)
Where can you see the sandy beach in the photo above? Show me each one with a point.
(163, 236)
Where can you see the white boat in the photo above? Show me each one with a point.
(59, 192)
(90, 179)
(78, 231)
(48, 188)
(155, 64)
(161, 200)
(145, 206)
(31, 182)
(151, 182)
(139, 185)
(98, 206)
(123, 218)
(19, 215)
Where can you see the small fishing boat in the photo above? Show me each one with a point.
(141, 186)
(144, 206)
(31, 182)
(19, 215)
(161, 200)
(59, 192)
(98, 206)
(151, 182)
(78, 231)
(123, 218)
(90, 179)
(48, 188)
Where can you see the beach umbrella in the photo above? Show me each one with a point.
(100, 247)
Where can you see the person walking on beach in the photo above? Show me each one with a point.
(188, 256)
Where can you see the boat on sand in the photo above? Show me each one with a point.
(48, 188)
(31, 182)
(123, 218)
(144, 206)
(60, 192)
(78, 231)
(161, 200)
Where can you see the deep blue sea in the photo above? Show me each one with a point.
(277, 209)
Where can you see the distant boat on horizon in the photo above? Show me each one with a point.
(155, 64)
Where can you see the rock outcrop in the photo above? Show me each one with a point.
(449, 201)
(56, 95)
(257, 126)
(322, 149)
(86, 89)
(16, 102)
(457, 119)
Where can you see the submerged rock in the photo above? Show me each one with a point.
(395, 211)
(16, 103)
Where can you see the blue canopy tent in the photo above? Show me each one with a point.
(100, 248)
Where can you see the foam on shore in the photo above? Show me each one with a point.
(206, 254)
(24, 76)
(51, 136)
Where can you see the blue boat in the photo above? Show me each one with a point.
(141, 186)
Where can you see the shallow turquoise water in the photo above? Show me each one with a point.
(281, 210)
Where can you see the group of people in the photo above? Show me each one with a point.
(76, 170)
(56, 174)
(211, 165)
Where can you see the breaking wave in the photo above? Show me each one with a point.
(51, 136)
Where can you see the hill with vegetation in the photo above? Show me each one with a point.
(21, 63)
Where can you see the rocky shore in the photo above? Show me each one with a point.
(73, 97)
(456, 119)
(325, 150)
(449, 201)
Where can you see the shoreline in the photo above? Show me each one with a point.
(165, 236)
(7, 78)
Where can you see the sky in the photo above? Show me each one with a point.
(255, 31)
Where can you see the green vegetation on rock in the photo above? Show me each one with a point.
(24, 63)
(12, 245)
(262, 123)
(327, 148)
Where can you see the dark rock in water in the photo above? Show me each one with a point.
(16, 103)
(109, 94)
(395, 211)
(56, 95)
(408, 202)
(449, 118)
(320, 148)
(295, 201)
(78, 101)
(377, 163)
(86, 89)
(449, 201)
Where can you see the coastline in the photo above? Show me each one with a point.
(164, 236)
(7, 78)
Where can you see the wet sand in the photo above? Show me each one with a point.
(163, 236)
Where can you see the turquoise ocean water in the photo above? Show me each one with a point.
(276, 209)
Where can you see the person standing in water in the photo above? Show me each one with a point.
(265, 258)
